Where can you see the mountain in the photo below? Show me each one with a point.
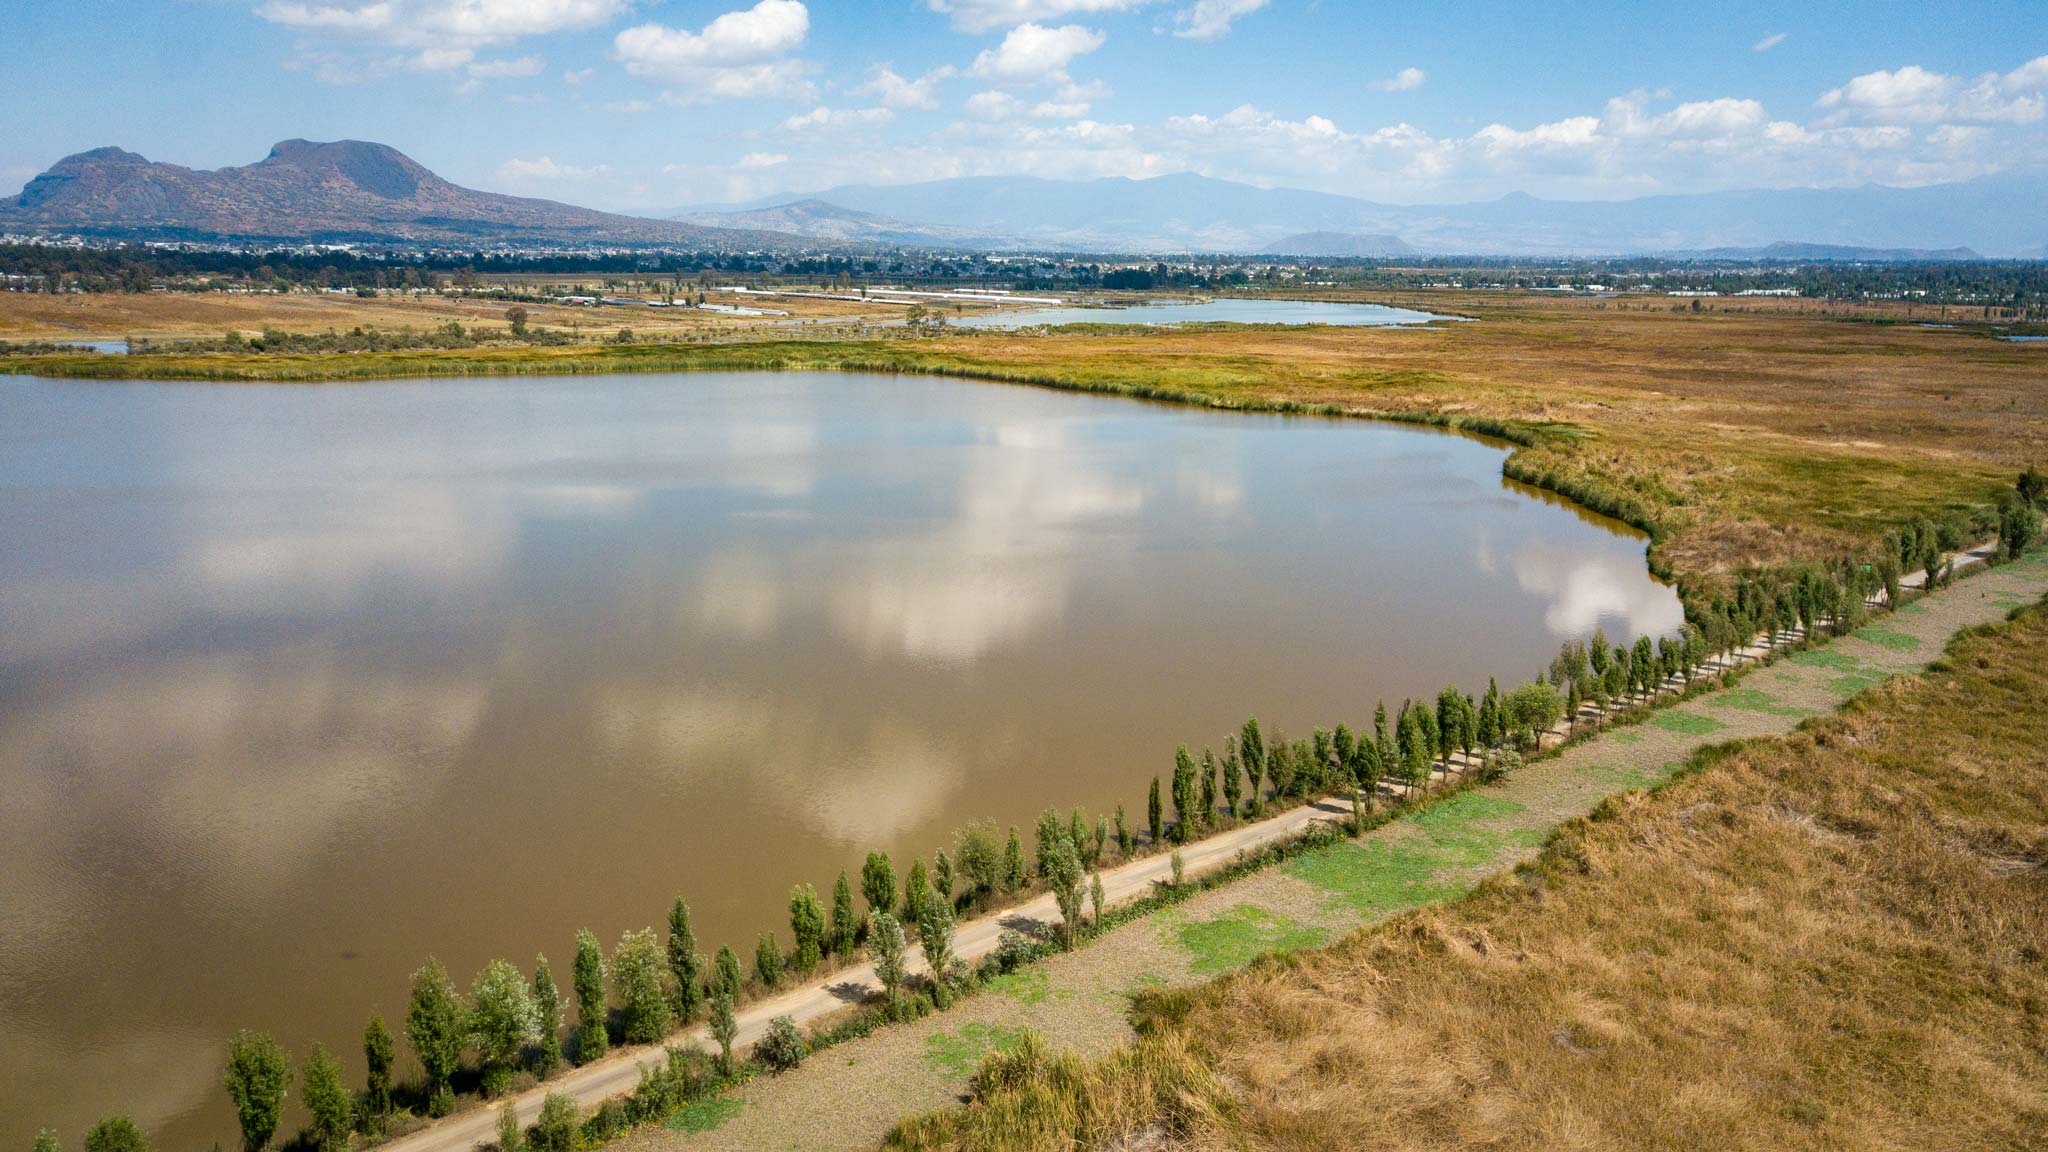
(348, 190)
(1999, 215)
(1338, 244)
(820, 220)
(1822, 253)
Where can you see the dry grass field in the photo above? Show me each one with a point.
(1831, 940)
(1768, 432)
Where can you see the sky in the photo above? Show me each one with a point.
(654, 105)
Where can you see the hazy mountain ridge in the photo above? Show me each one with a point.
(1339, 244)
(344, 190)
(820, 220)
(1997, 215)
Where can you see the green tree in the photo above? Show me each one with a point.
(1095, 895)
(886, 947)
(980, 855)
(1123, 834)
(257, 1075)
(46, 1141)
(593, 1034)
(807, 927)
(1013, 862)
(917, 890)
(547, 1011)
(942, 876)
(1251, 744)
(511, 1137)
(685, 963)
(2019, 525)
(725, 972)
(637, 970)
(435, 1027)
(1065, 876)
(783, 1048)
(878, 883)
(845, 930)
(327, 1102)
(378, 1053)
(1535, 707)
(768, 960)
(115, 1134)
(1208, 789)
(1154, 818)
(1233, 783)
(725, 1028)
(935, 932)
(558, 1125)
(516, 317)
(502, 1022)
(1183, 794)
(1046, 833)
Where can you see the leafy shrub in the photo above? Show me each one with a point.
(783, 1048)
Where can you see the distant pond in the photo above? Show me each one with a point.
(1223, 310)
(300, 685)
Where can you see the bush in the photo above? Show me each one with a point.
(555, 1129)
(783, 1048)
(1014, 950)
(115, 1134)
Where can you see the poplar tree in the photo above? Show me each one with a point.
(378, 1053)
(257, 1075)
(685, 963)
(980, 856)
(327, 1102)
(1233, 786)
(935, 932)
(1046, 834)
(1123, 834)
(1252, 746)
(942, 876)
(878, 883)
(502, 1022)
(725, 1028)
(886, 947)
(434, 1027)
(1183, 794)
(917, 890)
(1013, 862)
(768, 960)
(845, 931)
(807, 927)
(1152, 813)
(1065, 876)
(637, 967)
(725, 972)
(592, 1037)
(547, 1006)
(1208, 778)
(1346, 748)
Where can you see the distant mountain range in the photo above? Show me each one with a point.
(351, 190)
(1998, 215)
(348, 190)
(1328, 244)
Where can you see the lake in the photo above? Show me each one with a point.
(304, 683)
(1217, 311)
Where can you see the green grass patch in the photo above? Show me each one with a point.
(1756, 700)
(1847, 686)
(1235, 937)
(1913, 610)
(1887, 639)
(1386, 875)
(1626, 736)
(957, 1053)
(1689, 723)
(1025, 986)
(1616, 777)
(704, 1115)
(1826, 658)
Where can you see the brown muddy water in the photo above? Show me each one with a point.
(300, 684)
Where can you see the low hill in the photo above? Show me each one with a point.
(347, 190)
(1844, 253)
(1339, 244)
(821, 220)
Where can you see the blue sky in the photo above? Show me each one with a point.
(649, 104)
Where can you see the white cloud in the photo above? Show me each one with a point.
(1916, 95)
(1769, 42)
(579, 76)
(545, 170)
(896, 92)
(523, 67)
(739, 55)
(440, 24)
(981, 16)
(1211, 19)
(754, 161)
(1033, 54)
(1406, 80)
(993, 105)
(838, 118)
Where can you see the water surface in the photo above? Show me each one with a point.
(303, 683)
(1222, 310)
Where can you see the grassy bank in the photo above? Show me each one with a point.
(1829, 940)
(1743, 438)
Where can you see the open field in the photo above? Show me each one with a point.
(1764, 435)
(1831, 939)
